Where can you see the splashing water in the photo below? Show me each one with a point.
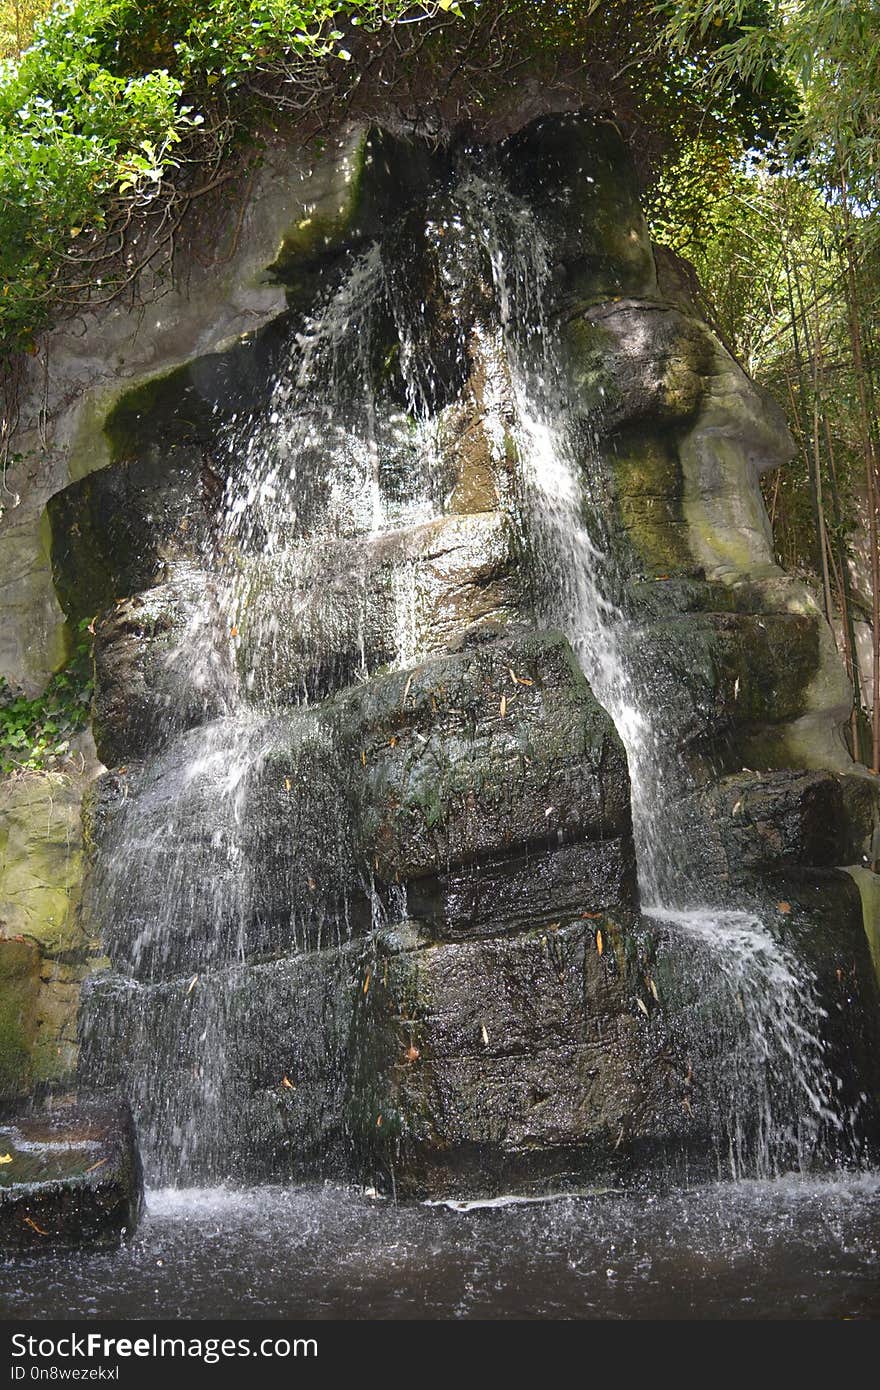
(757, 1024)
(314, 590)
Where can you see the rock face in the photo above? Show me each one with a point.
(70, 1177)
(363, 866)
(45, 951)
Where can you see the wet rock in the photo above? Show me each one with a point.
(728, 683)
(474, 754)
(575, 172)
(70, 1178)
(238, 841)
(868, 884)
(749, 824)
(590, 876)
(525, 1061)
(344, 607)
(255, 837)
(113, 531)
(517, 1060)
(634, 362)
(162, 664)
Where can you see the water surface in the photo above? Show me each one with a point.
(789, 1248)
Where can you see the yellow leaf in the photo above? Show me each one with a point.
(367, 982)
(75, 231)
(503, 706)
(363, 757)
(484, 1035)
(600, 944)
(653, 988)
(233, 631)
(287, 784)
(643, 1006)
(285, 1081)
(5, 1158)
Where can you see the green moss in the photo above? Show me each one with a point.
(647, 472)
(19, 983)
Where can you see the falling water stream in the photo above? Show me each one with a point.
(776, 1094)
(252, 644)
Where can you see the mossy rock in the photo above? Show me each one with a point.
(576, 172)
(19, 987)
(74, 1180)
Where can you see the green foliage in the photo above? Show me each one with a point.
(787, 246)
(35, 734)
(93, 114)
(118, 105)
(827, 50)
(17, 20)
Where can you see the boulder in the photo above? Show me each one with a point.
(498, 746)
(70, 1178)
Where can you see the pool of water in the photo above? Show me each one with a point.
(793, 1248)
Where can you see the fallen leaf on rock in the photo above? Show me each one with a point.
(653, 988)
(192, 984)
(367, 982)
(784, 907)
(590, 916)
(5, 1158)
(503, 707)
(286, 1081)
(484, 1035)
(600, 943)
(643, 1006)
(95, 1166)
(412, 1053)
(34, 1227)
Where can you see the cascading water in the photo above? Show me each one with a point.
(302, 555)
(776, 1098)
(218, 870)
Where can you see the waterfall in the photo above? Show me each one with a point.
(218, 879)
(776, 1098)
